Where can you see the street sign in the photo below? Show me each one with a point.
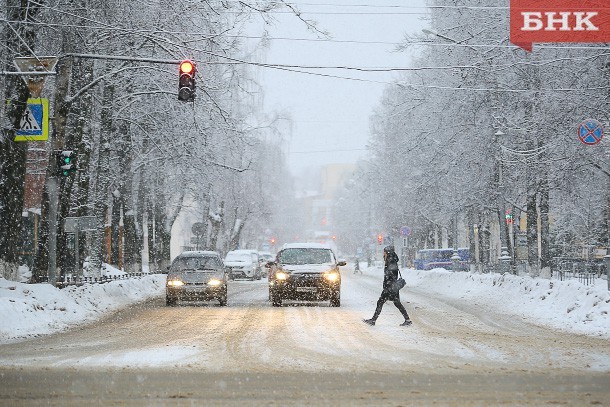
(39, 64)
(521, 246)
(405, 231)
(74, 224)
(590, 132)
(34, 125)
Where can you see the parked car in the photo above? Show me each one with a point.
(305, 271)
(243, 264)
(428, 259)
(196, 276)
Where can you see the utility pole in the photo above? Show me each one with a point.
(53, 203)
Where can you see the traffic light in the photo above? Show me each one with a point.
(509, 217)
(380, 238)
(272, 240)
(186, 82)
(66, 162)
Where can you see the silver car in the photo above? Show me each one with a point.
(243, 264)
(196, 276)
(305, 271)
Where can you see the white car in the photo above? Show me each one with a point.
(265, 257)
(243, 264)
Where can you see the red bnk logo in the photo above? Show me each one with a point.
(559, 21)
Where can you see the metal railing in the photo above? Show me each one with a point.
(585, 271)
(79, 281)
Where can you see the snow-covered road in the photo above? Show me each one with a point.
(448, 334)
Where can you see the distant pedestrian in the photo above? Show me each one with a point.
(390, 275)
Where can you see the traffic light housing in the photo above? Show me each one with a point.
(380, 238)
(66, 162)
(509, 217)
(186, 82)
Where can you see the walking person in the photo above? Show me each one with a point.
(390, 275)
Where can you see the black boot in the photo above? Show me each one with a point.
(369, 321)
(406, 323)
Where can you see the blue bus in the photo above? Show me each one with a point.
(428, 259)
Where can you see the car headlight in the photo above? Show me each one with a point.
(214, 282)
(280, 275)
(331, 276)
(174, 283)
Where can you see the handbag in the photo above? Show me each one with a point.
(398, 284)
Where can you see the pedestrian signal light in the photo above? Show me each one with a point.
(186, 82)
(509, 217)
(66, 162)
(380, 238)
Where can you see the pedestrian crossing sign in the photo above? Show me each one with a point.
(34, 124)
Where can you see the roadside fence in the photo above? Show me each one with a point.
(79, 281)
(573, 268)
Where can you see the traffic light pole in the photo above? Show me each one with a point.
(53, 204)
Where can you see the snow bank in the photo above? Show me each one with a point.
(29, 310)
(564, 305)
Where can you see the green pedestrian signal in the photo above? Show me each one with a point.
(66, 162)
(509, 217)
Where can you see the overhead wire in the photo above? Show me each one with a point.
(397, 43)
(305, 69)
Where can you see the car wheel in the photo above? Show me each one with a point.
(170, 302)
(335, 299)
(276, 300)
(223, 301)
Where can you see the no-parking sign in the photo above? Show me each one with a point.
(590, 132)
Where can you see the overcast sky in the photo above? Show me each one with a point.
(331, 115)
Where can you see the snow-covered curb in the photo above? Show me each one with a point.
(565, 305)
(29, 310)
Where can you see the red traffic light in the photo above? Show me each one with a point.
(380, 238)
(186, 67)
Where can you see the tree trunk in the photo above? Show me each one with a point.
(532, 224)
(216, 225)
(20, 38)
(545, 252)
(56, 141)
(101, 200)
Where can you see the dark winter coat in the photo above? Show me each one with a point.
(390, 275)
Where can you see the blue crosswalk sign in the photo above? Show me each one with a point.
(34, 123)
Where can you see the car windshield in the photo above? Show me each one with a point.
(196, 263)
(298, 256)
(244, 257)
